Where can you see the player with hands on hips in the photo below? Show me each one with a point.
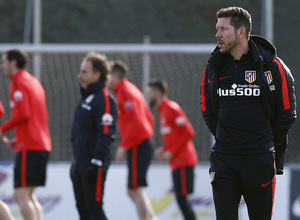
(162, 154)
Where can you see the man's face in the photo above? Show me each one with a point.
(226, 35)
(86, 75)
(152, 96)
(7, 66)
(112, 80)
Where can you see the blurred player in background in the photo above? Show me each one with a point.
(93, 132)
(30, 122)
(136, 124)
(177, 133)
(248, 103)
(1, 110)
(5, 213)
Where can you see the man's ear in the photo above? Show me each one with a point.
(98, 74)
(14, 62)
(241, 32)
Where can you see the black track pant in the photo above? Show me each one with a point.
(185, 208)
(88, 193)
(250, 176)
(183, 180)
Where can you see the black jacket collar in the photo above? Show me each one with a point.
(92, 88)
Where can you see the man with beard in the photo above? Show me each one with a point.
(136, 124)
(248, 104)
(177, 133)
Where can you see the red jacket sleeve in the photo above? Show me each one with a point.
(205, 101)
(20, 106)
(285, 101)
(1, 110)
(181, 129)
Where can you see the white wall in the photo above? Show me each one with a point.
(58, 201)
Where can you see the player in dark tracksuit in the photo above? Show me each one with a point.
(93, 131)
(248, 103)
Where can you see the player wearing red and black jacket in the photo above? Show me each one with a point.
(177, 133)
(29, 113)
(248, 103)
(136, 124)
(30, 122)
(93, 132)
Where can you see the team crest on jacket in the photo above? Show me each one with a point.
(128, 105)
(18, 96)
(268, 76)
(212, 176)
(107, 119)
(250, 76)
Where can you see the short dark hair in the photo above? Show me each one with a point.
(160, 85)
(99, 63)
(120, 67)
(19, 56)
(239, 18)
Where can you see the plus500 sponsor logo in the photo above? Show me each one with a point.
(240, 90)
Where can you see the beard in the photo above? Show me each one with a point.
(152, 102)
(230, 45)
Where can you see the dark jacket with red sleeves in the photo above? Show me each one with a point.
(278, 97)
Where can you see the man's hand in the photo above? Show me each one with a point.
(160, 154)
(93, 172)
(281, 150)
(120, 154)
(279, 161)
(166, 156)
(12, 143)
(3, 138)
